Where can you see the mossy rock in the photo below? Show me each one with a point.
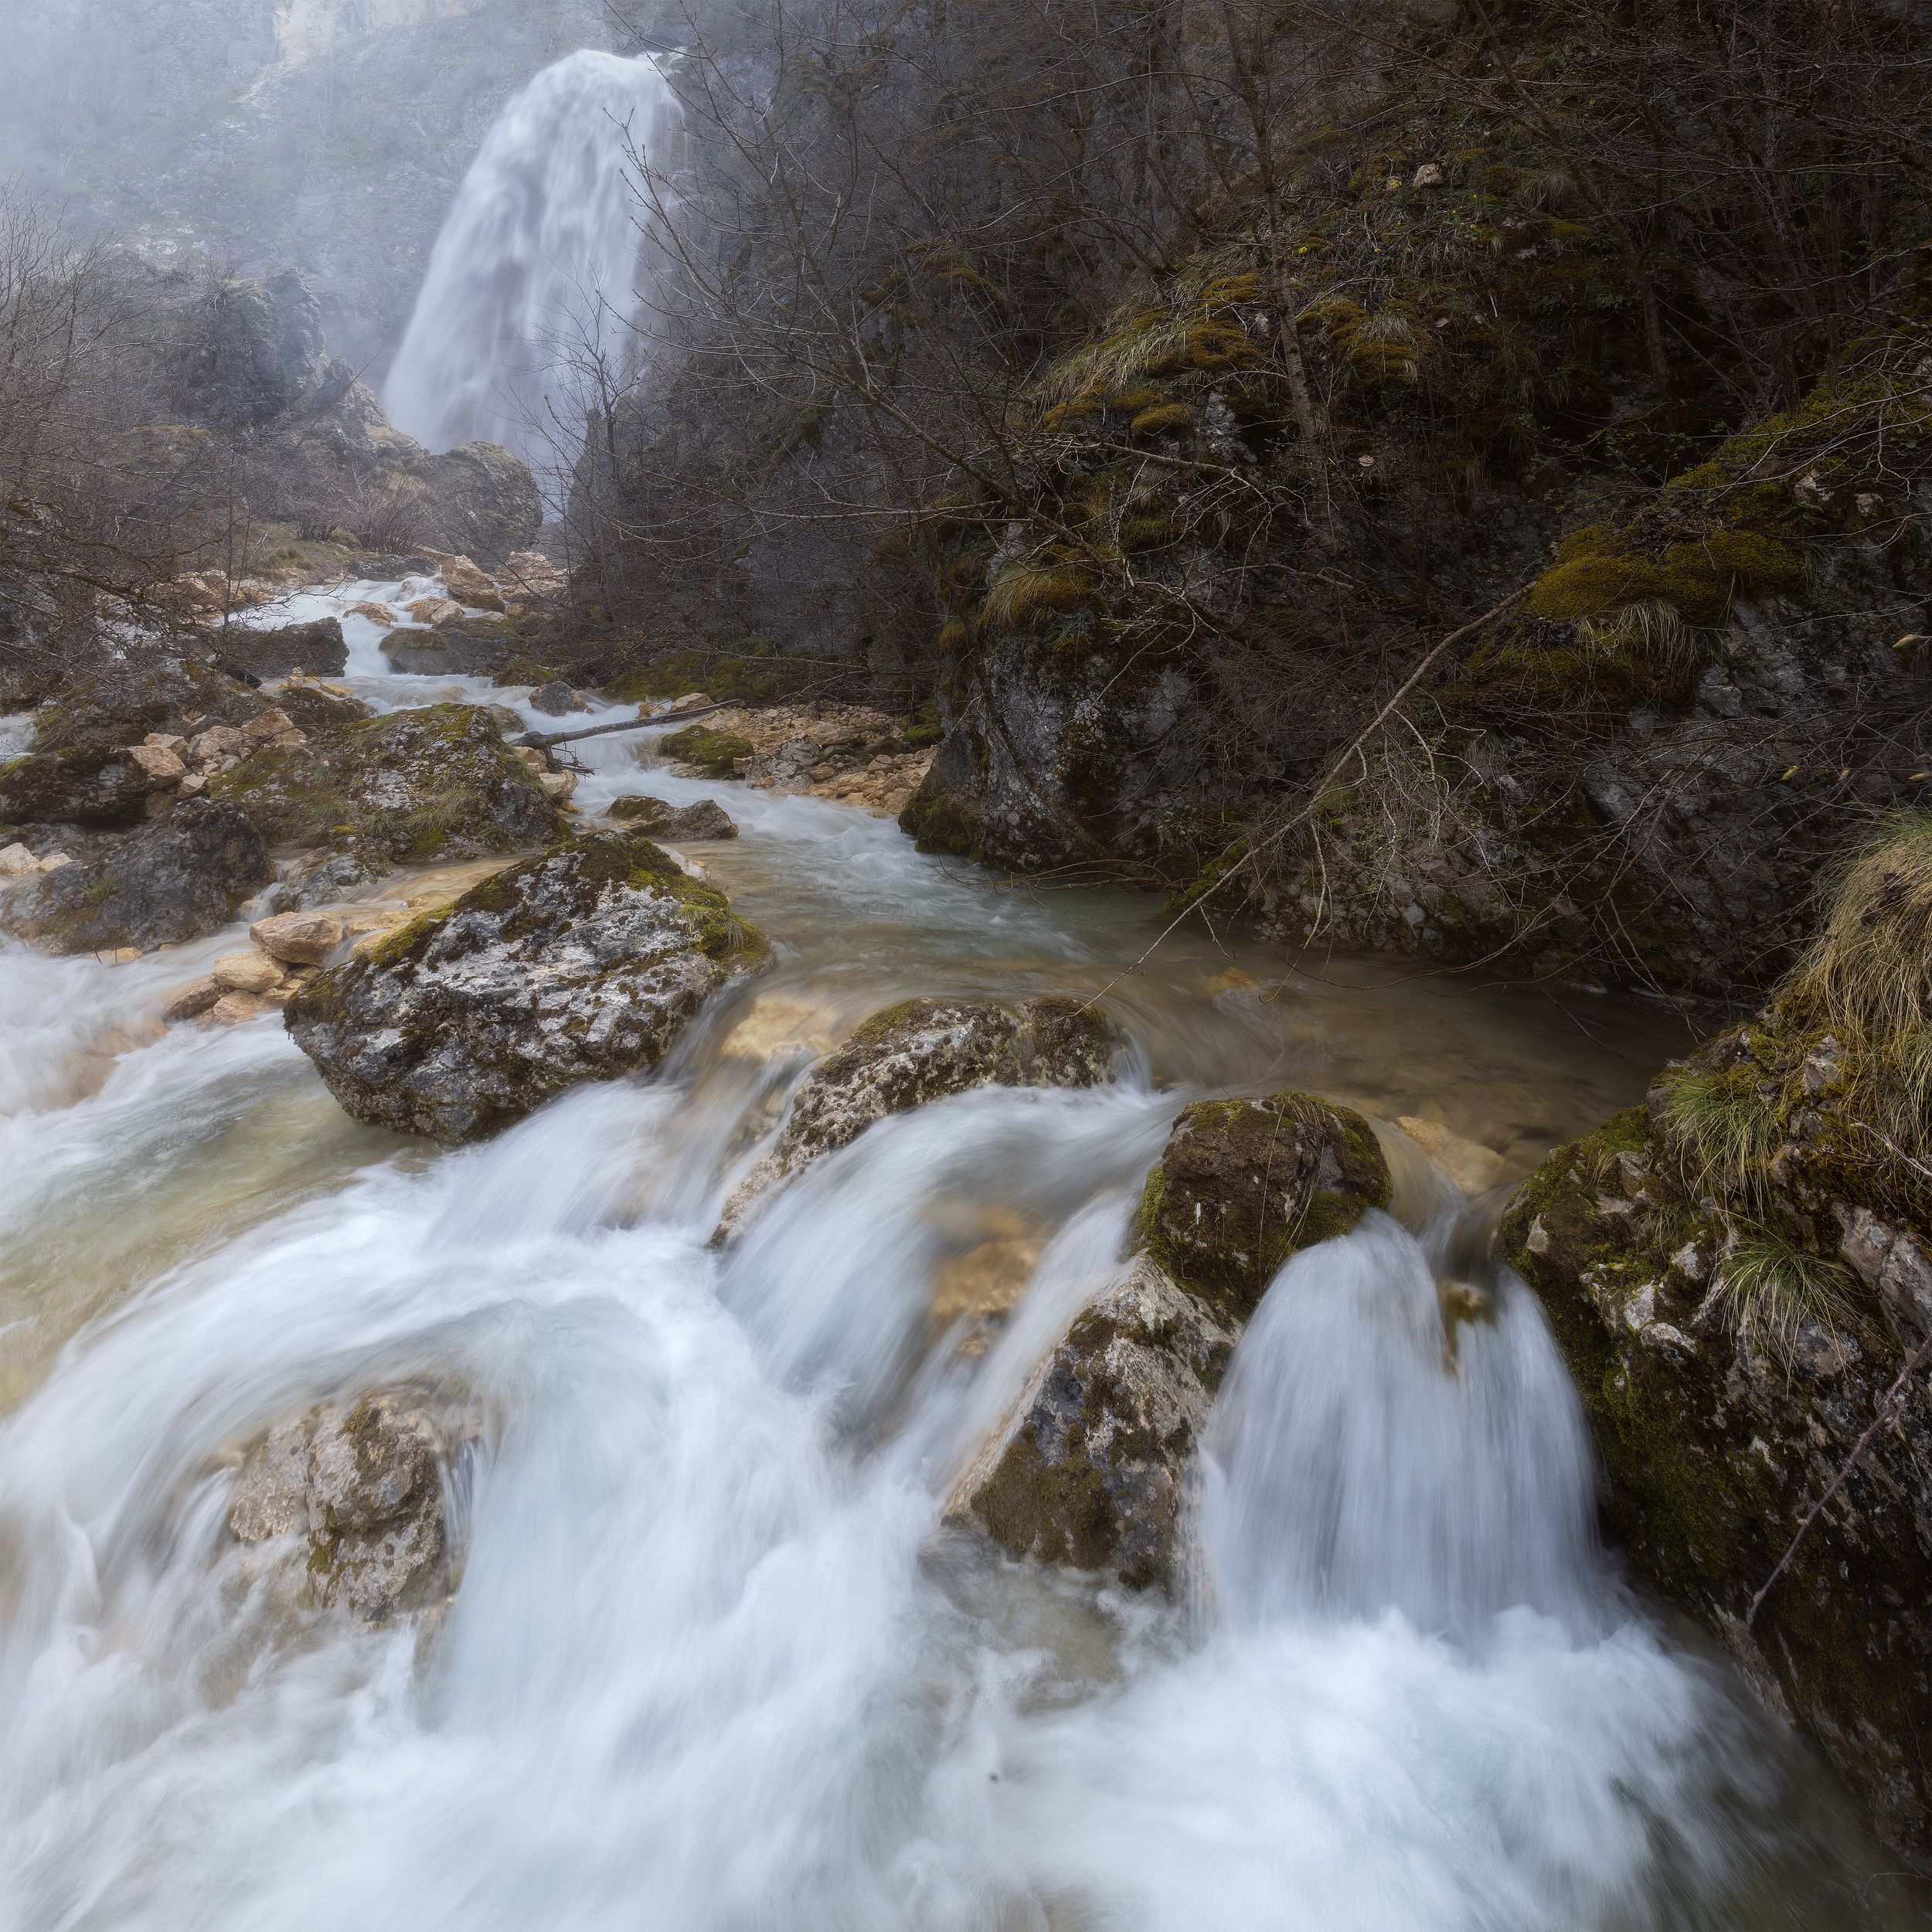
(938, 820)
(712, 754)
(1243, 1185)
(583, 963)
(420, 786)
(82, 786)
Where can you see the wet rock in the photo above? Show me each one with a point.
(175, 879)
(315, 707)
(555, 699)
(1242, 1185)
(415, 786)
(433, 610)
(375, 613)
(362, 1488)
(467, 584)
(247, 973)
(920, 1051)
(453, 650)
(681, 824)
(298, 938)
(1091, 1470)
(581, 964)
(190, 1001)
(151, 692)
(84, 786)
(315, 648)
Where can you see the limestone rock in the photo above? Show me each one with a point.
(433, 610)
(583, 963)
(192, 1001)
(375, 613)
(1242, 1185)
(82, 786)
(175, 879)
(17, 863)
(683, 824)
(250, 972)
(316, 648)
(468, 584)
(298, 938)
(1091, 1470)
(413, 786)
(162, 764)
(920, 1051)
(363, 1488)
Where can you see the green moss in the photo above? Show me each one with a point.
(938, 820)
(715, 753)
(1162, 419)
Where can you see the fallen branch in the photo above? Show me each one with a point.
(544, 741)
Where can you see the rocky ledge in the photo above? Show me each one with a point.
(846, 752)
(1739, 1274)
(583, 963)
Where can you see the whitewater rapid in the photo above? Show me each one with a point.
(714, 1662)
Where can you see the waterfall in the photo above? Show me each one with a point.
(535, 280)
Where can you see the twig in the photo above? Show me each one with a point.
(544, 741)
(1918, 1356)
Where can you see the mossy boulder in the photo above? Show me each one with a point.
(923, 1050)
(118, 705)
(314, 708)
(1090, 1471)
(1243, 1185)
(583, 963)
(705, 753)
(415, 786)
(80, 785)
(705, 819)
(1091, 1467)
(1732, 1344)
(317, 647)
(173, 879)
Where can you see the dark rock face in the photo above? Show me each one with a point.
(260, 355)
(1717, 1435)
(706, 819)
(922, 1051)
(313, 709)
(1243, 1185)
(414, 786)
(452, 650)
(1091, 1469)
(581, 964)
(118, 704)
(75, 787)
(317, 648)
(556, 699)
(176, 878)
(486, 502)
(363, 1489)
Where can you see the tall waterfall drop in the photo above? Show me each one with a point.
(534, 280)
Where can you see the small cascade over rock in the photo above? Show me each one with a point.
(536, 274)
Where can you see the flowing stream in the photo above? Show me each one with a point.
(714, 1661)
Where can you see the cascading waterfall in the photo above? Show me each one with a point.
(713, 1664)
(525, 316)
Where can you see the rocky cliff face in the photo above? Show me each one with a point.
(1740, 1276)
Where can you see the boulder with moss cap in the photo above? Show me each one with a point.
(583, 963)
(1737, 1274)
(923, 1050)
(1090, 1469)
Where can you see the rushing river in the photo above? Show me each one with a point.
(714, 1663)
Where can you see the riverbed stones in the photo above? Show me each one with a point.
(171, 880)
(583, 963)
(361, 1487)
(1091, 1469)
(250, 972)
(920, 1051)
(683, 825)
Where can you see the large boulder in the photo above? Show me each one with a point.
(113, 704)
(316, 648)
(1090, 1470)
(80, 787)
(360, 1491)
(1242, 1185)
(486, 501)
(680, 824)
(581, 964)
(920, 1051)
(1091, 1467)
(256, 354)
(174, 879)
(462, 648)
(408, 788)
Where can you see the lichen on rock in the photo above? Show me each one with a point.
(583, 963)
